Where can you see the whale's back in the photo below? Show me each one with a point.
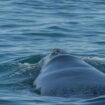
(67, 75)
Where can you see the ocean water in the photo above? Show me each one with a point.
(29, 29)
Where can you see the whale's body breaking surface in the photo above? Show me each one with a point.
(65, 75)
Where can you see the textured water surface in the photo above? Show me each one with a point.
(29, 29)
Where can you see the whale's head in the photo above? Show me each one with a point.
(53, 53)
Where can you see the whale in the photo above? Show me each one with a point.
(65, 75)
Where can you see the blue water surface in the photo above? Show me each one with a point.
(29, 29)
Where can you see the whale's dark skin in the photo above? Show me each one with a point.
(65, 75)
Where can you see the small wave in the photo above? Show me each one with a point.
(100, 42)
(29, 59)
(47, 34)
(19, 74)
(100, 100)
(58, 28)
(97, 62)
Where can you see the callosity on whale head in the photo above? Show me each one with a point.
(53, 53)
